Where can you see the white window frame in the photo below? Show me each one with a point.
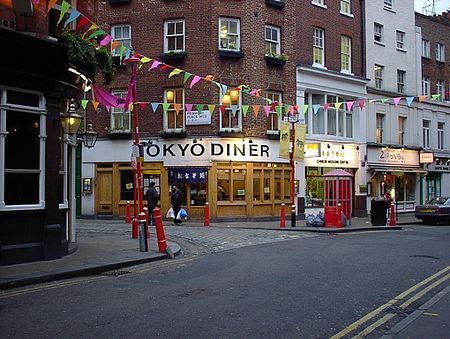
(273, 116)
(440, 135)
(318, 47)
(346, 7)
(400, 37)
(425, 48)
(120, 111)
(227, 35)
(378, 76)
(42, 112)
(346, 54)
(171, 110)
(175, 35)
(440, 89)
(426, 85)
(401, 130)
(271, 42)
(426, 133)
(122, 41)
(401, 81)
(63, 174)
(380, 118)
(388, 4)
(229, 113)
(378, 33)
(440, 52)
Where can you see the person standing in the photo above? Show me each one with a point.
(152, 202)
(176, 200)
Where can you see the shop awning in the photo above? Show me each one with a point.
(399, 169)
(191, 175)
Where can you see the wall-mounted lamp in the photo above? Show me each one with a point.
(357, 148)
(194, 141)
(234, 95)
(89, 136)
(328, 146)
(250, 141)
(170, 96)
(71, 120)
(226, 99)
(343, 147)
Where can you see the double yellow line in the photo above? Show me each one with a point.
(441, 277)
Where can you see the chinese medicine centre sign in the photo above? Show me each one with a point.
(331, 155)
(392, 156)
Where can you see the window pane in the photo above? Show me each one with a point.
(126, 178)
(21, 188)
(22, 98)
(257, 185)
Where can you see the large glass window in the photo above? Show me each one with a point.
(231, 119)
(22, 122)
(318, 114)
(174, 115)
(231, 179)
(229, 34)
(126, 185)
(318, 47)
(121, 34)
(120, 119)
(274, 119)
(174, 36)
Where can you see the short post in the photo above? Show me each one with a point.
(339, 215)
(161, 236)
(146, 222)
(143, 244)
(392, 217)
(292, 215)
(128, 213)
(134, 228)
(283, 216)
(206, 221)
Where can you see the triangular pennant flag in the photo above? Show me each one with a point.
(337, 105)
(84, 103)
(177, 108)
(222, 109)
(144, 60)
(106, 40)
(435, 96)
(176, 71)
(244, 110)
(291, 110)
(83, 21)
(95, 104)
(409, 100)
(194, 81)
(211, 108)
(155, 64)
(143, 105)
(256, 109)
(209, 77)
(396, 100)
(93, 26)
(165, 107)
(97, 33)
(164, 67)
(234, 109)
(72, 17)
(64, 8)
(316, 108)
(188, 107)
(50, 5)
(349, 105)
(422, 98)
(200, 107)
(278, 110)
(155, 106)
(384, 100)
(224, 89)
(186, 76)
(267, 110)
(372, 100)
(115, 44)
(361, 104)
(287, 109)
(123, 49)
(305, 108)
(326, 106)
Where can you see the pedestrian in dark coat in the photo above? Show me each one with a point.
(177, 200)
(152, 201)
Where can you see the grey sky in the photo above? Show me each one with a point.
(439, 5)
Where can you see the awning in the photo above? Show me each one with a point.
(398, 169)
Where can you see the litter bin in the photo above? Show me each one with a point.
(378, 209)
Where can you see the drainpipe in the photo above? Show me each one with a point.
(363, 37)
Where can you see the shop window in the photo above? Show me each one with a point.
(257, 185)
(198, 194)
(318, 116)
(126, 185)
(174, 115)
(314, 187)
(278, 185)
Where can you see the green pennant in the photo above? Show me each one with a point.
(278, 110)
(165, 107)
(186, 76)
(200, 107)
(84, 103)
(245, 109)
(434, 97)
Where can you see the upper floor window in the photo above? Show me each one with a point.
(318, 47)
(174, 36)
(318, 2)
(346, 54)
(22, 169)
(440, 89)
(120, 119)
(440, 134)
(388, 4)
(378, 32)
(231, 119)
(400, 39)
(379, 128)
(229, 34)
(426, 85)
(426, 133)
(401, 75)
(378, 70)
(272, 40)
(274, 119)
(346, 7)
(401, 130)
(174, 115)
(440, 52)
(425, 48)
(122, 34)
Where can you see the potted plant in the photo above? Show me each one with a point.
(173, 55)
(276, 59)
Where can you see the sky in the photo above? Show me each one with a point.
(439, 5)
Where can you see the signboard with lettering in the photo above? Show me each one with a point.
(392, 156)
(426, 158)
(333, 155)
(198, 118)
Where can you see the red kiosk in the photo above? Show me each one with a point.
(338, 197)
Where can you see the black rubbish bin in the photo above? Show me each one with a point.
(378, 209)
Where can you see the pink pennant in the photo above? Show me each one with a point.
(195, 80)
(326, 106)
(267, 110)
(397, 100)
(188, 107)
(349, 105)
(105, 40)
(154, 65)
(362, 104)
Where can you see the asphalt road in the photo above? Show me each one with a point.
(307, 287)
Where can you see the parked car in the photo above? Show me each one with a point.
(437, 209)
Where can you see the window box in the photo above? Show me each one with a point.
(275, 3)
(231, 134)
(119, 2)
(275, 61)
(231, 54)
(119, 134)
(173, 56)
(173, 134)
(273, 136)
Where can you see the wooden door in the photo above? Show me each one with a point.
(104, 193)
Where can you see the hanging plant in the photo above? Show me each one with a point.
(87, 59)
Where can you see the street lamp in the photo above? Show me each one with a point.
(89, 136)
(71, 122)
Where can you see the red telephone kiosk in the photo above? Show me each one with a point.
(338, 197)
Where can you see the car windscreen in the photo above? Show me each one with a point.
(439, 201)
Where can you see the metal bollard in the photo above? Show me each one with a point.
(143, 244)
(134, 228)
(283, 216)
(146, 222)
(162, 243)
(128, 213)
(293, 216)
(206, 222)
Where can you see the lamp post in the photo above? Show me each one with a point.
(292, 162)
(137, 187)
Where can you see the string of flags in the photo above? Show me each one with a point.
(69, 14)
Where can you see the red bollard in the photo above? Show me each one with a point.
(134, 228)
(283, 216)
(146, 222)
(162, 243)
(206, 222)
(128, 213)
(392, 218)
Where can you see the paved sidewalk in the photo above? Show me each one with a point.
(93, 252)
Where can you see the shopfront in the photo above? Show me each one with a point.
(438, 177)
(396, 171)
(238, 177)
